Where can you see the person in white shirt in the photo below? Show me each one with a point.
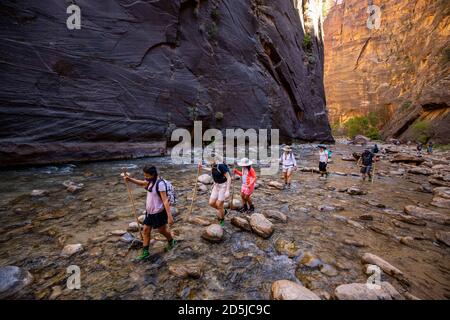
(289, 164)
(323, 160)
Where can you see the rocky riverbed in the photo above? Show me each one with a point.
(321, 236)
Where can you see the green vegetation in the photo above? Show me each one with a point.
(193, 113)
(307, 42)
(364, 125)
(213, 31)
(422, 130)
(442, 147)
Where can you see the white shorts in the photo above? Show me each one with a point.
(288, 169)
(219, 192)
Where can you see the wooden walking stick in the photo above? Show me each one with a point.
(130, 196)
(373, 171)
(232, 190)
(195, 193)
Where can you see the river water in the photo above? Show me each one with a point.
(243, 266)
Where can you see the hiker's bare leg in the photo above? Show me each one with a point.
(164, 230)
(289, 176)
(249, 201)
(146, 233)
(244, 200)
(220, 211)
(212, 203)
(285, 174)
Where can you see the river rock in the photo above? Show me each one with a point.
(444, 237)
(260, 225)
(370, 258)
(213, 233)
(241, 223)
(199, 221)
(428, 215)
(118, 232)
(71, 249)
(39, 193)
(186, 270)
(354, 191)
(404, 158)
(328, 208)
(276, 215)
(438, 181)
(73, 187)
(310, 260)
(355, 224)
(348, 158)
(133, 227)
(406, 240)
(289, 290)
(237, 203)
(366, 217)
(205, 179)
(276, 185)
(12, 280)
(141, 218)
(285, 247)
(441, 202)
(355, 243)
(425, 189)
(328, 270)
(361, 291)
(442, 192)
(420, 170)
(410, 220)
(202, 188)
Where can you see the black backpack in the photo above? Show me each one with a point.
(366, 158)
(217, 175)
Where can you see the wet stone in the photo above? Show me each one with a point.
(213, 233)
(289, 290)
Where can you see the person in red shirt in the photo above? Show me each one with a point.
(248, 175)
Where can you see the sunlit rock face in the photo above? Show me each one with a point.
(138, 69)
(400, 71)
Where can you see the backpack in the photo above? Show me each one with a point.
(218, 178)
(329, 153)
(366, 158)
(375, 149)
(170, 191)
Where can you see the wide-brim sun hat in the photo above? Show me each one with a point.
(287, 148)
(244, 162)
(322, 146)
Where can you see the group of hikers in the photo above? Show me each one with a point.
(420, 147)
(160, 194)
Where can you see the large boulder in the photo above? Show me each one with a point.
(405, 158)
(276, 215)
(360, 139)
(441, 202)
(363, 291)
(420, 170)
(442, 192)
(289, 290)
(429, 215)
(276, 185)
(213, 233)
(205, 179)
(241, 223)
(260, 225)
(199, 221)
(12, 280)
(444, 237)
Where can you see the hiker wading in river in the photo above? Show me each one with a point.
(221, 189)
(157, 209)
(289, 164)
(248, 175)
(366, 163)
(323, 160)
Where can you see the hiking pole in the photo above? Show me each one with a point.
(373, 171)
(195, 192)
(130, 196)
(232, 190)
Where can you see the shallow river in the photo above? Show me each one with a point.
(243, 266)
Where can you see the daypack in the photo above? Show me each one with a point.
(366, 158)
(170, 191)
(329, 153)
(218, 178)
(375, 149)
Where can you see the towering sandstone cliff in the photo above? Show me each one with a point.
(399, 71)
(138, 69)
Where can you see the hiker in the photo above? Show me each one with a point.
(375, 149)
(157, 209)
(221, 189)
(289, 164)
(419, 149)
(366, 163)
(248, 175)
(430, 148)
(323, 160)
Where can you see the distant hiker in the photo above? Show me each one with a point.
(430, 148)
(366, 163)
(248, 175)
(419, 149)
(323, 160)
(221, 189)
(289, 164)
(157, 208)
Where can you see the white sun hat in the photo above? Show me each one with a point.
(287, 148)
(245, 162)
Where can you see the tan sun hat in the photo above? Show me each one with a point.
(244, 162)
(287, 148)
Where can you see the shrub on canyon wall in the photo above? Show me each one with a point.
(365, 125)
